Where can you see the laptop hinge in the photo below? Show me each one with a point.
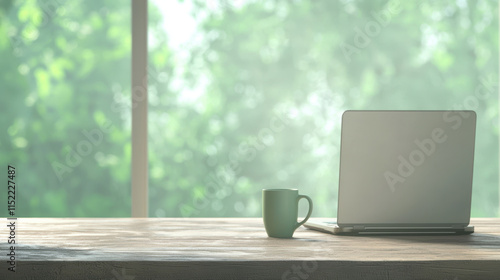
(358, 228)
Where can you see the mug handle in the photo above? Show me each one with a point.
(308, 213)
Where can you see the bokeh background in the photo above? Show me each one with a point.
(244, 95)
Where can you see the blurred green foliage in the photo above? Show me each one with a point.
(60, 61)
(252, 101)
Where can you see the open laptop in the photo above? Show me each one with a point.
(404, 172)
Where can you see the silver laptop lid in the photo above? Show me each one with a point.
(406, 168)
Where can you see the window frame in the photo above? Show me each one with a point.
(139, 95)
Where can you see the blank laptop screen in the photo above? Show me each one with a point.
(406, 167)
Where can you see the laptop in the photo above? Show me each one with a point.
(404, 172)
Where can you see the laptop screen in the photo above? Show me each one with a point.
(406, 167)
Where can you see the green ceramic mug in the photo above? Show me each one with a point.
(280, 209)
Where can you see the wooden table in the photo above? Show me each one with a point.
(228, 248)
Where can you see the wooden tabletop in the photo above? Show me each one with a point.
(239, 248)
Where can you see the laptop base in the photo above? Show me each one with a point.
(333, 228)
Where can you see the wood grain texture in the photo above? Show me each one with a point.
(238, 248)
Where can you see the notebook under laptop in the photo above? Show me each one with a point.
(404, 172)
